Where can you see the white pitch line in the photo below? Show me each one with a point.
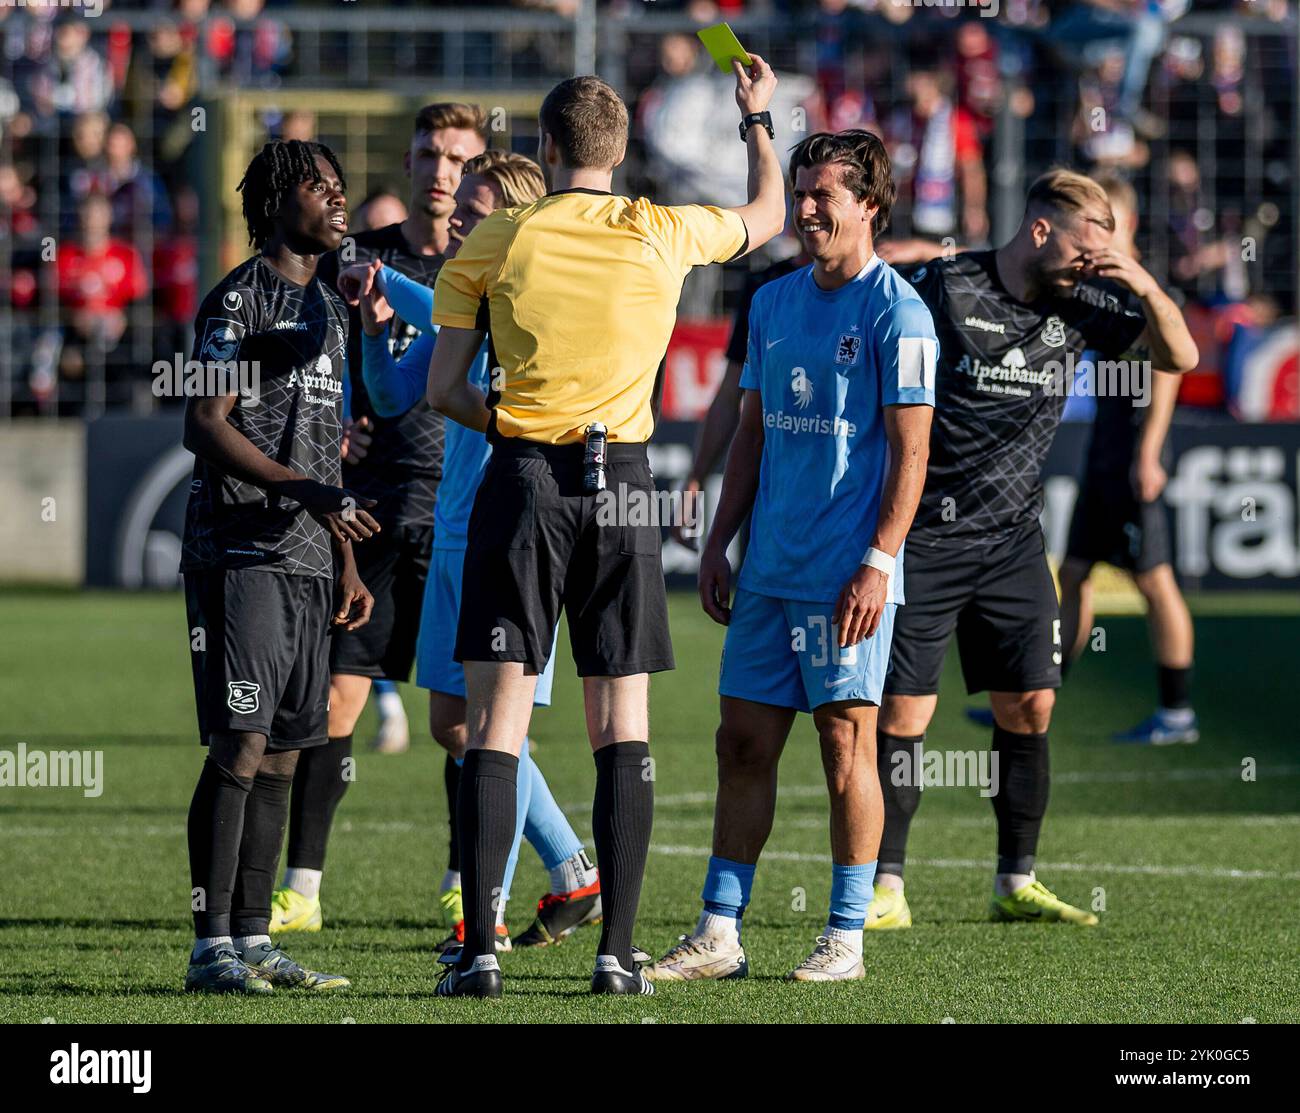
(1077, 777)
(984, 864)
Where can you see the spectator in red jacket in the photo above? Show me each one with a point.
(99, 276)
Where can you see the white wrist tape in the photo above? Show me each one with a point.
(880, 561)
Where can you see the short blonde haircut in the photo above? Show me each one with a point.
(1071, 194)
(518, 179)
(1119, 190)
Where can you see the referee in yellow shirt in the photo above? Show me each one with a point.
(579, 291)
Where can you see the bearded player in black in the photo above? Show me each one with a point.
(400, 471)
(266, 520)
(1009, 321)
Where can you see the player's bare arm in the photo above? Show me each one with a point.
(739, 486)
(450, 392)
(862, 600)
(900, 253)
(357, 439)
(764, 215)
(354, 599)
(1148, 474)
(1166, 338)
(208, 434)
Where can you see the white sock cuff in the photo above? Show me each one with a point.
(304, 882)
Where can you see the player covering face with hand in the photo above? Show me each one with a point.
(1009, 322)
(830, 458)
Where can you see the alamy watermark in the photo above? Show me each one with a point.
(1100, 378)
(92, 9)
(946, 769)
(636, 506)
(196, 378)
(24, 768)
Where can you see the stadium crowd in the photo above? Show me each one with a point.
(98, 157)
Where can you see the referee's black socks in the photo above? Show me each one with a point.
(1021, 797)
(487, 827)
(898, 762)
(621, 817)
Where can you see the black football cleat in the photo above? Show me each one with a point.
(482, 979)
(610, 977)
(560, 915)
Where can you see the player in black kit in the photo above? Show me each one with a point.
(266, 518)
(400, 470)
(1010, 322)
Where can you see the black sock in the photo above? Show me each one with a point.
(621, 817)
(901, 799)
(215, 827)
(1021, 797)
(259, 853)
(487, 828)
(319, 783)
(451, 782)
(1175, 687)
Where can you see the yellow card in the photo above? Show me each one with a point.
(721, 42)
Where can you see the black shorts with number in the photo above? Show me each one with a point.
(1110, 524)
(538, 544)
(259, 645)
(1000, 599)
(393, 564)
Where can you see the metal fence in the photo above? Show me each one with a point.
(78, 335)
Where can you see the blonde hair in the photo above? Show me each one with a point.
(1119, 190)
(1071, 194)
(518, 179)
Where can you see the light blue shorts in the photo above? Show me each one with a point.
(786, 653)
(435, 668)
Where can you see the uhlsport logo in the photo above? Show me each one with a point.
(243, 696)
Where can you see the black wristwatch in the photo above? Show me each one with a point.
(764, 118)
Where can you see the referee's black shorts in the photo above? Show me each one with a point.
(538, 544)
(393, 565)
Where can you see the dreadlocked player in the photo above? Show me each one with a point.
(268, 532)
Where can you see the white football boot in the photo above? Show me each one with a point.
(699, 958)
(831, 961)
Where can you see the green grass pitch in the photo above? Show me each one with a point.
(1199, 867)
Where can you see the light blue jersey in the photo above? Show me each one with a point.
(465, 458)
(826, 363)
(395, 388)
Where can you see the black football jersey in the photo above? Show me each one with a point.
(998, 397)
(1117, 424)
(295, 340)
(738, 344)
(403, 466)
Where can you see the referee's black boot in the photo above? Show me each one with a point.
(610, 977)
(482, 979)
